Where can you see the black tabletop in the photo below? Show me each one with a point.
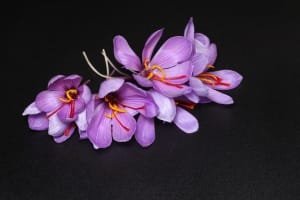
(249, 150)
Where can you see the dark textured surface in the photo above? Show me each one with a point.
(246, 151)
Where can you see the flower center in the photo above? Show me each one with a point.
(70, 95)
(156, 72)
(212, 79)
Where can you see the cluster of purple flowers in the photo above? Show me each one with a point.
(164, 85)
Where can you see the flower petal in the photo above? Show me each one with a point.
(110, 85)
(123, 127)
(193, 97)
(125, 55)
(180, 73)
(186, 121)
(199, 63)
(56, 127)
(31, 110)
(189, 31)
(142, 81)
(91, 106)
(65, 112)
(85, 93)
(38, 122)
(83, 135)
(75, 80)
(219, 97)
(198, 87)
(81, 121)
(48, 101)
(212, 54)
(64, 137)
(130, 90)
(99, 129)
(202, 41)
(145, 131)
(142, 105)
(171, 90)
(228, 76)
(150, 44)
(166, 106)
(175, 50)
(55, 78)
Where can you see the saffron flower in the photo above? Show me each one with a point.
(205, 83)
(60, 108)
(110, 113)
(167, 71)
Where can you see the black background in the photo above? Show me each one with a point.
(249, 150)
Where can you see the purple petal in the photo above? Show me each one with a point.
(75, 80)
(199, 63)
(125, 55)
(142, 105)
(212, 54)
(189, 31)
(65, 113)
(198, 87)
(180, 73)
(55, 78)
(81, 121)
(56, 127)
(229, 77)
(83, 135)
(130, 90)
(150, 44)
(166, 106)
(123, 127)
(38, 122)
(186, 121)
(193, 97)
(99, 130)
(48, 101)
(202, 41)
(31, 110)
(171, 90)
(175, 50)
(204, 100)
(91, 106)
(110, 85)
(219, 97)
(65, 136)
(142, 81)
(145, 131)
(85, 93)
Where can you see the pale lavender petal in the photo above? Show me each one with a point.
(145, 131)
(123, 127)
(219, 97)
(199, 63)
(189, 31)
(91, 106)
(142, 81)
(204, 100)
(99, 129)
(175, 50)
(186, 121)
(65, 136)
(83, 135)
(179, 74)
(125, 55)
(193, 97)
(31, 110)
(110, 85)
(228, 77)
(166, 106)
(75, 80)
(130, 90)
(65, 114)
(198, 87)
(171, 90)
(150, 45)
(145, 106)
(81, 121)
(56, 127)
(48, 101)
(202, 41)
(38, 122)
(55, 78)
(212, 54)
(85, 93)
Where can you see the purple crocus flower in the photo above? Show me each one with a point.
(206, 84)
(110, 113)
(60, 108)
(167, 71)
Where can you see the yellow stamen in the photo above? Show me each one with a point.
(115, 107)
(69, 96)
